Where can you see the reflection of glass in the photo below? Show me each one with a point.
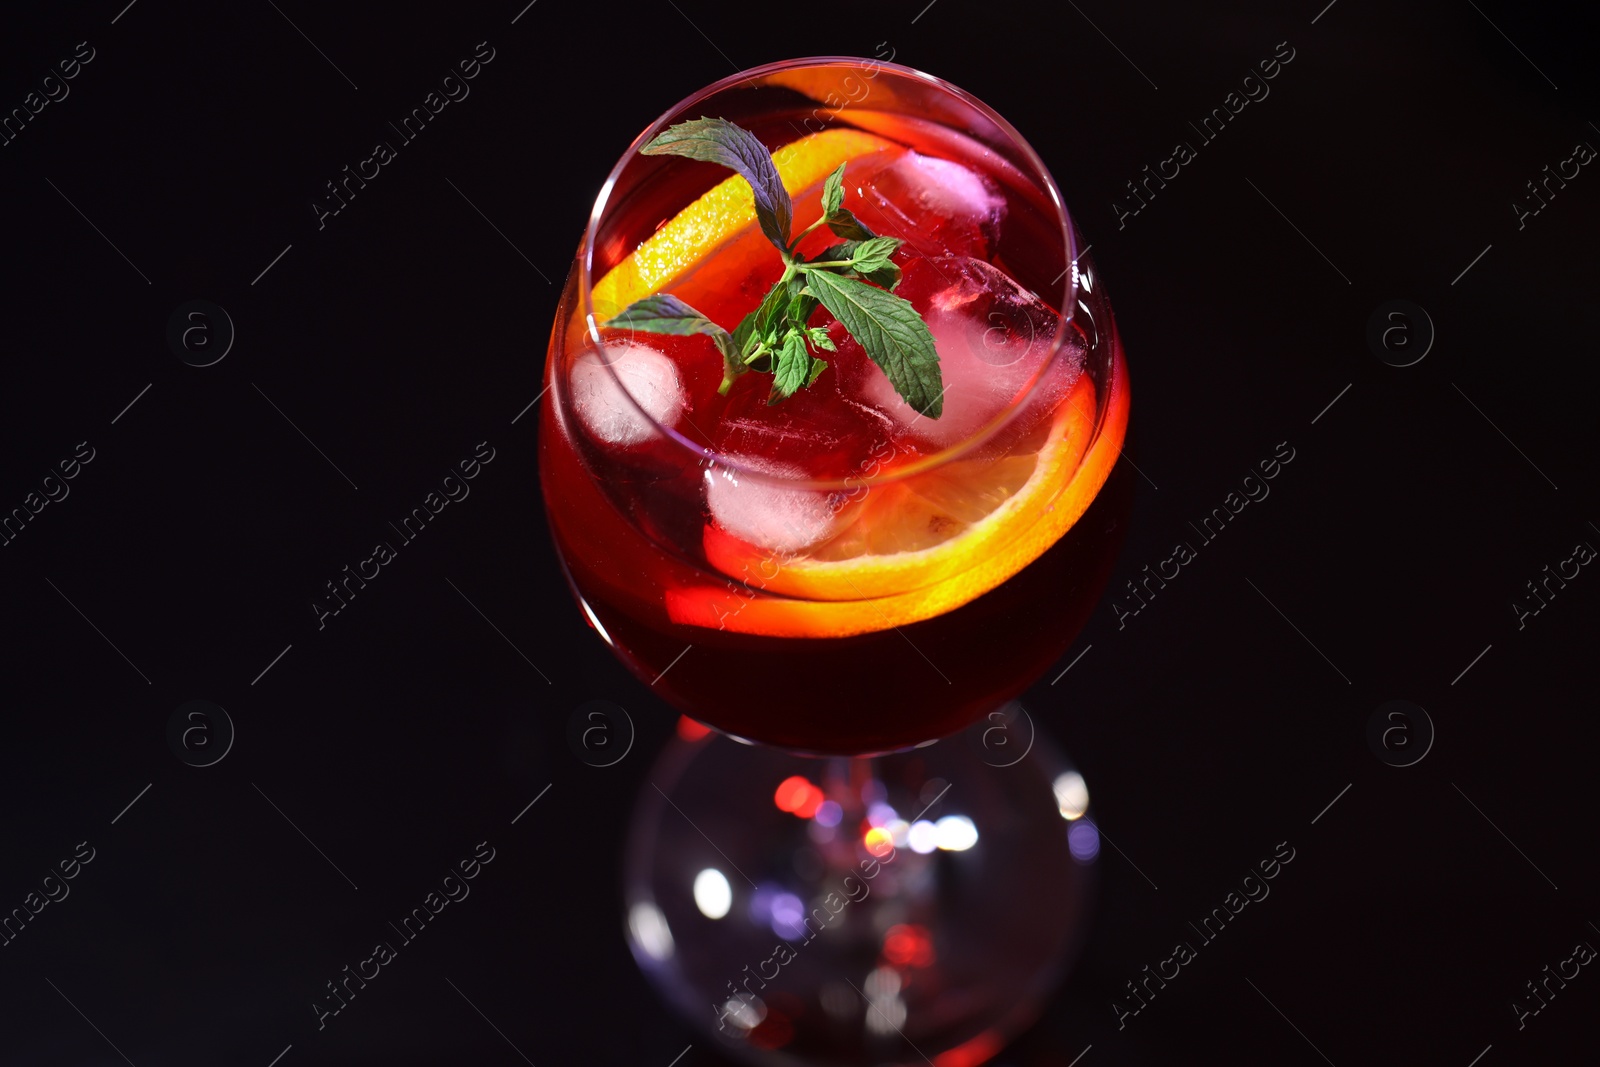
(835, 574)
(859, 911)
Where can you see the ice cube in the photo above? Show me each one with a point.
(824, 430)
(642, 373)
(766, 512)
(935, 205)
(992, 336)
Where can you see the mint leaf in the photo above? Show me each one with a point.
(817, 367)
(744, 331)
(833, 193)
(665, 313)
(793, 368)
(662, 313)
(720, 141)
(761, 325)
(888, 275)
(844, 224)
(801, 305)
(892, 333)
(840, 220)
(873, 255)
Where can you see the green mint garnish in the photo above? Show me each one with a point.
(839, 219)
(720, 141)
(872, 255)
(893, 334)
(665, 313)
(775, 338)
(794, 367)
(886, 275)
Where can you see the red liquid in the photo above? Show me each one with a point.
(629, 521)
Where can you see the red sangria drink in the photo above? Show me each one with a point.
(828, 391)
(832, 403)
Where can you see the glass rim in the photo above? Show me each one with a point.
(1035, 172)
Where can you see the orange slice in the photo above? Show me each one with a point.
(722, 213)
(925, 546)
(926, 528)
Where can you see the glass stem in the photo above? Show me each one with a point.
(847, 781)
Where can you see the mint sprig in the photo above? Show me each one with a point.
(852, 280)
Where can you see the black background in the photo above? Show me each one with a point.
(1211, 727)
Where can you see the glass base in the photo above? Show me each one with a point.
(885, 911)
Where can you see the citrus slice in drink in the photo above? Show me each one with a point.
(907, 534)
(922, 546)
(723, 213)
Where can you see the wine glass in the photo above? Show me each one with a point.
(841, 579)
